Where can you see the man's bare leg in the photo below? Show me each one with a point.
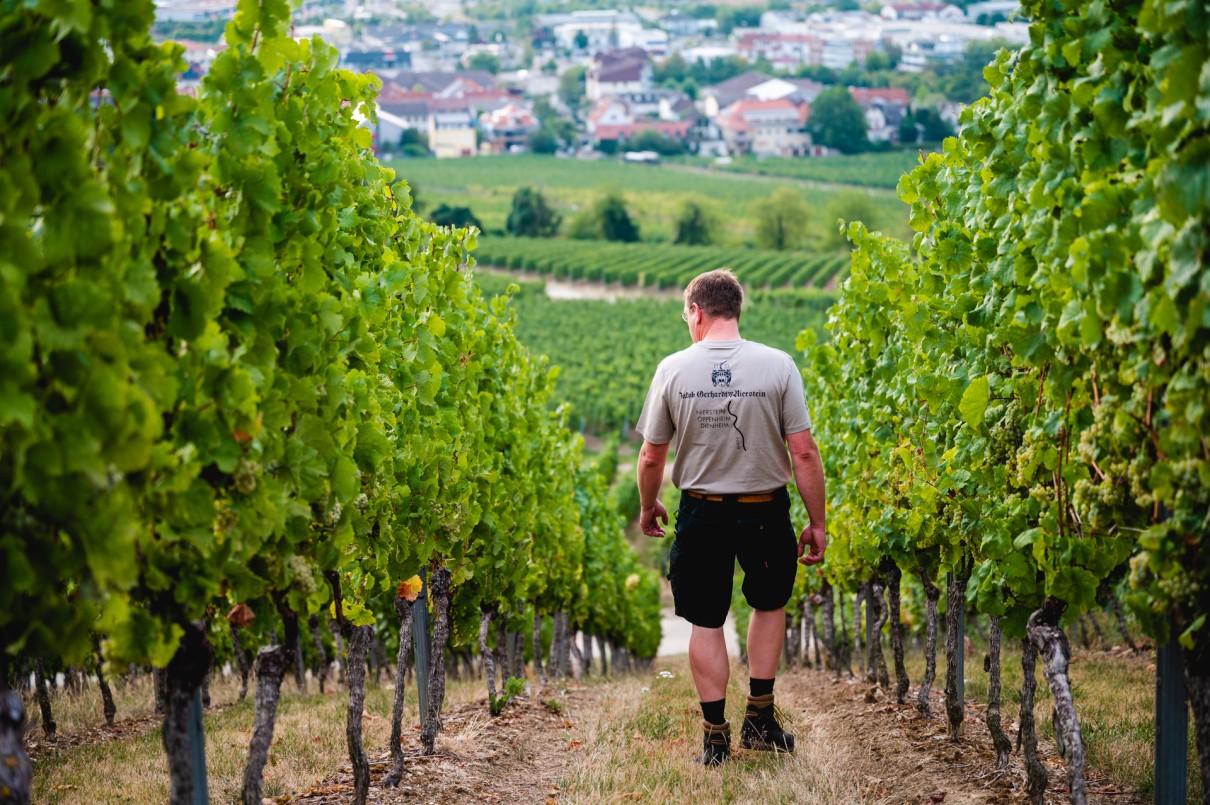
(766, 634)
(708, 662)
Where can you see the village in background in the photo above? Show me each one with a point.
(782, 79)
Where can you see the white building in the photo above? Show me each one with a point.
(922, 11)
(602, 30)
(652, 40)
(620, 72)
(194, 10)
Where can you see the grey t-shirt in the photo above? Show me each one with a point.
(729, 405)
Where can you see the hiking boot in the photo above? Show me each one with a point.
(761, 729)
(716, 743)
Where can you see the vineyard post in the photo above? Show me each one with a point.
(420, 645)
(197, 743)
(1171, 724)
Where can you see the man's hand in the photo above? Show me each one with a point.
(649, 517)
(811, 545)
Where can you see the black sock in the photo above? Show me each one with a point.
(760, 687)
(714, 711)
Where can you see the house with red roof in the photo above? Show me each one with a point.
(775, 127)
(507, 129)
(787, 51)
(884, 108)
(615, 119)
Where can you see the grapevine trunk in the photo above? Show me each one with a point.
(1103, 641)
(808, 623)
(160, 684)
(1027, 737)
(110, 708)
(931, 593)
(1083, 624)
(844, 647)
(604, 655)
(1116, 605)
(502, 650)
(300, 677)
(272, 663)
(902, 683)
(537, 647)
(321, 671)
(955, 705)
(879, 659)
(1000, 739)
(241, 660)
(360, 639)
(48, 720)
(489, 664)
(340, 653)
(587, 652)
(568, 633)
(440, 594)
(574, 658)
(859, 645)
(829, 626)
(403, 609)
(1052, 646)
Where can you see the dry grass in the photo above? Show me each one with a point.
(130, 768)
(640, 746)
(619, 743)
(1115, 700)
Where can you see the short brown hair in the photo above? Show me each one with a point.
(718, 293)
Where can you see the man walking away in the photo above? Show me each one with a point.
(730, 408)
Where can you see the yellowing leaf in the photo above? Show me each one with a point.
(411, 588)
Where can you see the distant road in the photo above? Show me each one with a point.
(677, 630)
(815, 184)
(582, 289)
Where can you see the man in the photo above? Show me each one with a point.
(730, 407)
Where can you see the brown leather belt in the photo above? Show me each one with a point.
(768, 497)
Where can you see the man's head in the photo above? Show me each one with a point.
(717, 293)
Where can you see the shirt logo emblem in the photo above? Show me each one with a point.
(721, 376)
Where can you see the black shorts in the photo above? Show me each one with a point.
(710, 536)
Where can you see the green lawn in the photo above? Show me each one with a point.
(653, 193)
(867, 170)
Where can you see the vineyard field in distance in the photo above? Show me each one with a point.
(660, 265)
(607, 351)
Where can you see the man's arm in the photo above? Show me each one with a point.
(651, 476)
(808, 477)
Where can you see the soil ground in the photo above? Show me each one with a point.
(530, 753)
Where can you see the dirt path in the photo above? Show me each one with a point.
(906, 758)
(885, 752)
(518, 757)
